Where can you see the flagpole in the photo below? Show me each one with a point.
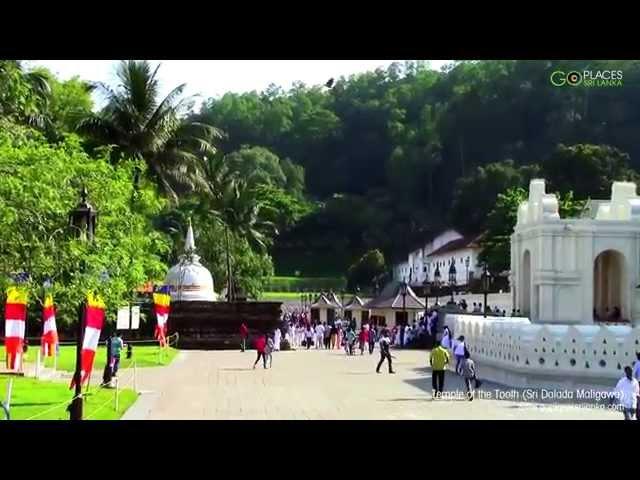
(76, 405)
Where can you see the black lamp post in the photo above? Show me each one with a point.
(83, 223)
(486, 283)
(466, 262)
(436, 282)
(405, 320)
(427, 291)
(452, 277)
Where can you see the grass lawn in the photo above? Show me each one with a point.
(143, 355)
(281, 296)
(30, 397)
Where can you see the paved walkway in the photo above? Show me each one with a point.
(321, 385)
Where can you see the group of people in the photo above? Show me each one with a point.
(614, 315)
(446, 348)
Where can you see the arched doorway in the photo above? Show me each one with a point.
(609, 280)
(525, 289)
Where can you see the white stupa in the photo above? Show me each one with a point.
(189, 280)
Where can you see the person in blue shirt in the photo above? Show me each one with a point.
(116, 347)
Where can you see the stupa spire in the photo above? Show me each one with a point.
(189, 243)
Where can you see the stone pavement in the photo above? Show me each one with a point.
(319, 385)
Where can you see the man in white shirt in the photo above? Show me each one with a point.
(319, 335)
(458, 351)
(636, 375)
(627, 392)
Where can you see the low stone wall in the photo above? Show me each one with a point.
(515, 348)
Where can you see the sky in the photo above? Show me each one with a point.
(213, 78)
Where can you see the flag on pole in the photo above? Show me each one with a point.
(161, 301)
(94, 321)
(15, 315)
(49, 329)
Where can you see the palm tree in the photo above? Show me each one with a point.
(234, 204)
(141, 126)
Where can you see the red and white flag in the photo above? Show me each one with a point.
(94, 321)
(49, 330)
(15, 315)
(161, 301)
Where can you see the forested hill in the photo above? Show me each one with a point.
(392, 155)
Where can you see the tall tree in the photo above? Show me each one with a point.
(143, 126)
(587, 170)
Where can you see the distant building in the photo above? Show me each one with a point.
(438, 251)
(462, 252)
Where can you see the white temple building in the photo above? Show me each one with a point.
(577, 271)
(189, 280)
(576, 282)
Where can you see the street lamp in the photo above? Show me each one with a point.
(486, 283)
(436, 282)
(405, 320)
(466, 262)
(452, 278)
(427, 291)
(83, 222)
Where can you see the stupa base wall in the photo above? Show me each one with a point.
(216, 325)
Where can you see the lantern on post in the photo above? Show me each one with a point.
(427, 291)
(452, 278)
(486, 283)
(436, 282)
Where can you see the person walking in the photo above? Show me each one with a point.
(277, 338)
(446, 341)
(116, 346)
(372, 339)
(470, 374)
(363, 339)
(334, 336)
(244, 334)
(319, 335)
(627, 393)
(350, 341)
(327, 336)
(385, 350)
(261, 345)
(300, 333)
(636, 375)
(268, 351)
(459, 349)
(308, 336)
(439, 359)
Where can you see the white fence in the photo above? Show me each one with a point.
(597, 351)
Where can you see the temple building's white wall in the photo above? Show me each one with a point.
(563, 269)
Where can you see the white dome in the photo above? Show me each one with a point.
(189, 280)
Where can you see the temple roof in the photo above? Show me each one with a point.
(323, 302)
(355, 303)
(391, 298)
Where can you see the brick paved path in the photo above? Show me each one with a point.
(319, 385)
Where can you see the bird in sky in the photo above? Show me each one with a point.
(329, 83)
